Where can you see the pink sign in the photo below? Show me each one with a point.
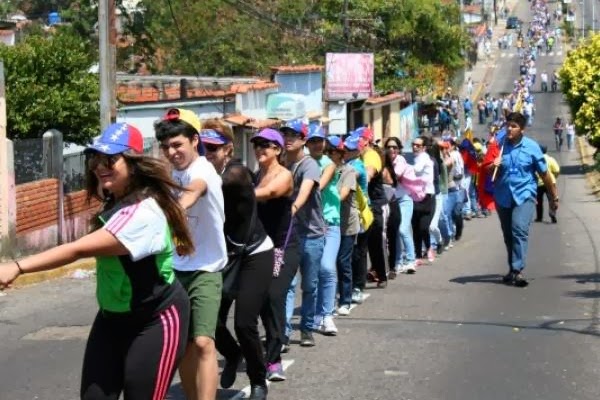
(349, 76)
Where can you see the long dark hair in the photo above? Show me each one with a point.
(149, 177)
(435, 152)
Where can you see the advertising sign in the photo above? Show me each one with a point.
(349, 76)
(409, 126)
(286, 106)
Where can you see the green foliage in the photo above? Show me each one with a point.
(580, 83)
(48, 86)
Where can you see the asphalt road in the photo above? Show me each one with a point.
(451, 331)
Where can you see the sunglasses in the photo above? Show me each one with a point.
(263, 145)
(391, 147)
(417, 145)
(211, 147)
(103, 159)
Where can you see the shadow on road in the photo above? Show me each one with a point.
(585, 294)
(581, 278)
(487, 278)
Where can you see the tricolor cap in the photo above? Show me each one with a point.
(315, 132)
(297, 126)
(184, 115)
(118, 138)
(364, 132)
(336, 142)
(352, 143)
(213, 137)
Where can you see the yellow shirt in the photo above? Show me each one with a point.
(553, 169)
(372, 159)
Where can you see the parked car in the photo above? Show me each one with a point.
(513, 23)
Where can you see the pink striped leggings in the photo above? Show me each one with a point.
(136, 355)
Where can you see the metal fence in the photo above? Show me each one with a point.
(29, 163)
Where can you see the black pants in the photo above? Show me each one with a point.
(421, 220)
(377, 249)
(393, 225)
(359, 260)
(135, 354)
(254, 280)
(273, 310)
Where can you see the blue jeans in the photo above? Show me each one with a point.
(404, 241)
(344, 266)
(311, 253)
(328, 273)
(290, 305)
(444, 220)
(453, 210)
(515, 222)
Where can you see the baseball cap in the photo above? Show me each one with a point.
(184, 115)
(336, 142)
(213, 137)
(352, 142)
(271, 135)
(118, 138)
(315, 131)
(296, 125)
(363, 132)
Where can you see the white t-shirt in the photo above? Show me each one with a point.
(424, 170)
(141, 228)
(206, 219)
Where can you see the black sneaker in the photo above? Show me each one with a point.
(258, 392)
(508, 278)
(285, 346)
(229, 372)
(306, 339)
(439, 249)
(553, 219)
(520, 281)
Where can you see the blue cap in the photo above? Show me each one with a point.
(336, 142)
(296, 125)
(213, 137)
(271, 135)
(315, 131)
(352, 142)
(118, 138)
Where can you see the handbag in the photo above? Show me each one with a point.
(279, 253)
(234, 262)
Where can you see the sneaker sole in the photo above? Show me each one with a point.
(276, 378)
(331, 333)
(306, 344)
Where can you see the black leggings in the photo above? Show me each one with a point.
(377, 249)
(359, 259)
(273, 310)
(135, 354)
(421, 219)
(254, 280)
(393, 225)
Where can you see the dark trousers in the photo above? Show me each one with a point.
(273, 310)
(135, 354)
(359, 260)
(393, 225)
(254, 280)
(344, 269)
(377, 249)
(421, 220)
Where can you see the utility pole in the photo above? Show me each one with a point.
(346, 26)
(495, 14)
(108, 38)
(583, 18)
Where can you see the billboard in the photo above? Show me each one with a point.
(409, 126)
(286, 106)
(349, 76)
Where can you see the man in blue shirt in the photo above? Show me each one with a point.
(515, 189)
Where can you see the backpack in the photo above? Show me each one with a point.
(364, 211)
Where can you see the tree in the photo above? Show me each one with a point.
(48, 86)
(580, 83)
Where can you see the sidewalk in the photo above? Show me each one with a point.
(85, 264)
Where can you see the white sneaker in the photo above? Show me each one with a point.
(409, 268)
(328, 327)
(344, 310)
(318, 322)
(357, 296)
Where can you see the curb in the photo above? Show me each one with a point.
(85, 264)
(592, 177)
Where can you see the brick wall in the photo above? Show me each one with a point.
(37, 205)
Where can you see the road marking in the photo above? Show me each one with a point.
(245, 392)
(388, 372)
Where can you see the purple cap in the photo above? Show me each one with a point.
(296, 125)
(118, 138)
(213, 137)
(271, 135)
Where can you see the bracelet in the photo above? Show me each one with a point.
(295, 206)
(18, 266)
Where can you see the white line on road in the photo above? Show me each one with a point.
(245, 392)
